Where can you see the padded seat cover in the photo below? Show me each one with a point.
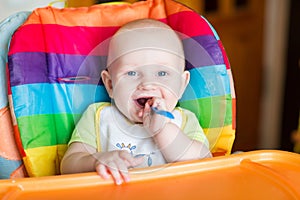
(56, 57)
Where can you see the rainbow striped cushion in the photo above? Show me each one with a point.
(56, 57)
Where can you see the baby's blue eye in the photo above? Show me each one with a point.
(131, 73)
(162, 73)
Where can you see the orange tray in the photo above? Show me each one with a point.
(264, 174)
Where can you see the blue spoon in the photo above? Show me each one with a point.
(163, 113)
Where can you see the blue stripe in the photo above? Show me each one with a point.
(45, 98)
(206, 82)
(8, 167)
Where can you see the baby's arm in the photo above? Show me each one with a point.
(82, 157)
(172, 142)
(176, 146)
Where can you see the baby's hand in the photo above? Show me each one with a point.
(116, 164)
(152, 121)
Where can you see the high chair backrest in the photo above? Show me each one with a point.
(56, 57)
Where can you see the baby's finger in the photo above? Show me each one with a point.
(135, 162)
(123, 170)
(102, 171)
(130, 161)
(159, 103)
(146, 116)
(115, 172)
(147, 109)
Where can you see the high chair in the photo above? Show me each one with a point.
(54, 61)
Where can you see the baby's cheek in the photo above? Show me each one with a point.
(173, 86)
(123, 96)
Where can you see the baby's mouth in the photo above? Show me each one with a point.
(142, 101)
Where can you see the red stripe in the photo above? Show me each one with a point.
(19, 141)
(8, 80)
(55, 38)
(189, 23)
(20, 172)
(226, 61)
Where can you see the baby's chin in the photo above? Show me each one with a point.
(135, 120)
(134, 116)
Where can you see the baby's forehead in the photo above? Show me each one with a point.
(145, 28)
(134, 38)
(148, 60)
(148, 34)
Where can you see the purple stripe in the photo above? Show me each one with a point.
(202, 51)
(51, 68)
(54, 68)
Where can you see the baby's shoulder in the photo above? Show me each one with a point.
(184, 112)
(98, 105)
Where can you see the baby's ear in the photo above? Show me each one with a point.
(106, 78)
(185, 81)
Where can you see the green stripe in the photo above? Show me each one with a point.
(53, 129)
(211, 112)
(46, 130)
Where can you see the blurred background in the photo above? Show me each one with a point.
(261, 38)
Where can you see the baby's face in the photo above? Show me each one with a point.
(141, 75)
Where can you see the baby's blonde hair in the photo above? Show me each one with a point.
(144, 23)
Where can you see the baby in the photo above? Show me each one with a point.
(142, 127)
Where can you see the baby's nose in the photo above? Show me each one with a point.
(147, 85)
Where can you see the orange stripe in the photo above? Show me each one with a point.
(103, 15)
(233, 114)
(173, 7)
(221, 153)
(98, 15)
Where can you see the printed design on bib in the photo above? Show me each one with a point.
(131, 149)
(149, 159)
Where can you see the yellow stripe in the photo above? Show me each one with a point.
(220, 139)
(37, 164)
(115, 3)
(58, 1)
(97, 124)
